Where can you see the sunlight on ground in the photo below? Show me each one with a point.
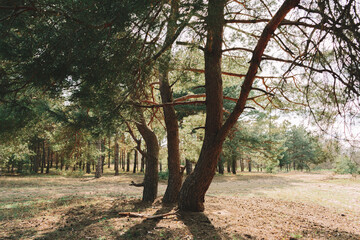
(245, 206)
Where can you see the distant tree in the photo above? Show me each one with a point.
(302, 149)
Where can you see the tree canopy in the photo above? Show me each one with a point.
(214, 76)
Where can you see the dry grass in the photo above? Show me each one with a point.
(246, 206)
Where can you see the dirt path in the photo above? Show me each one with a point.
(251, 206)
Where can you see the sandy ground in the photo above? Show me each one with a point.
(245, 206)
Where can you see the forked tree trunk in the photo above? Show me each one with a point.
(152, 159)
(192, 194)
(98, 172)
(197, 183)
(172, 128)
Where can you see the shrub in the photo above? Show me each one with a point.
(164, 175)
(74, 174)
(347, 166)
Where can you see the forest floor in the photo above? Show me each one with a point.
(245, 206)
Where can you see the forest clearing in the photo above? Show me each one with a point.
(247, 206)
(180, 119)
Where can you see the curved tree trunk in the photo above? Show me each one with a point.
(193, 191)
(152, 159)
(171, 121)
(197, 183)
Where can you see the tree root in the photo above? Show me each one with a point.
(136, 184)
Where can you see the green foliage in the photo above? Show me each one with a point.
(74, 174)
(191, 135)
(347, 166)
(302, 149)
(164, 175)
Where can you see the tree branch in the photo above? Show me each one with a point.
(254, 65)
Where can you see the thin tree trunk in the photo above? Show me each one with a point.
(88, 167)
(31, 164)
(233, 164)
(242, 166)
(56, 160)
(62, 162)
(221, 165)
(228, 165)
(116, 156)
(128, 162)
(43, 158)
(52, 159)
(37, 158)
(135, 160)
(103, 144)
(109, 162)
(123, 159)
(249, 165)
(88, 159)
(48, 160)
(98, 172)
(142, 163)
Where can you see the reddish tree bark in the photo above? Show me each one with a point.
(193, 191)
(172, 128)
(152, 159)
